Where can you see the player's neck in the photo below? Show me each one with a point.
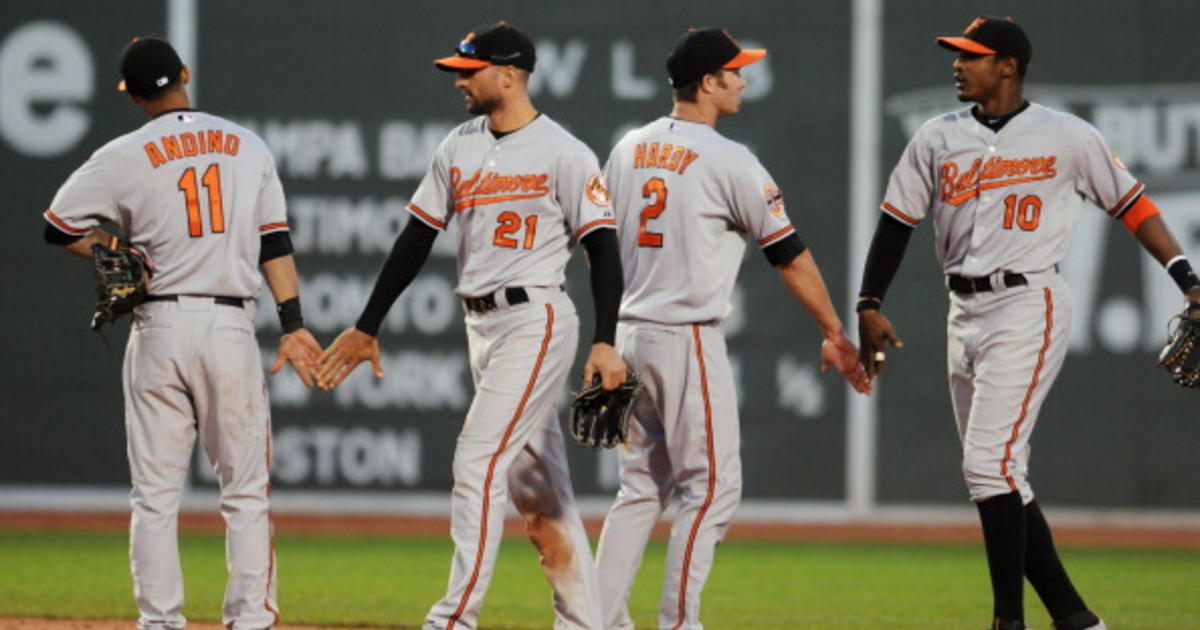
(174, 100)
(1003, 103)
(695, 112)
(512, 114)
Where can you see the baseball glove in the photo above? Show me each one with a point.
(119, 282)
(1181, 355)
(600, 417)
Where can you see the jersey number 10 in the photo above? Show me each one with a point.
(191, 198)
(1026, 213)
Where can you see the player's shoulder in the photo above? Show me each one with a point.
(944, 123)
(1063, 122)
(553, 130)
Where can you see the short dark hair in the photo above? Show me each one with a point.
(688, 93)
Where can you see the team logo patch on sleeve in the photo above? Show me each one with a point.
(596, 191)
(774, 199)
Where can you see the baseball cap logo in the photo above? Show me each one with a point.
(466, 46)
(974, 25)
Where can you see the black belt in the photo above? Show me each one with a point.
(966, 286)
(224, 300)
(485, 303)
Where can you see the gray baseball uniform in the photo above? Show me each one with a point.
(521, 201)
(685, 198)
(1005, 203)
(195, 192)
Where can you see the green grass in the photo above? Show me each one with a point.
(392, 581)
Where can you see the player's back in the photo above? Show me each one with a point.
(192, 190)
(675, 187)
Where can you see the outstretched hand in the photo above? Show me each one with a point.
(299, 349)
(350, 348)
(839, 352)
(875, 331)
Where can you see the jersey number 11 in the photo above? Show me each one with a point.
(191, 198)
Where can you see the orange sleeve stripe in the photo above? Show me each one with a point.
(62, 225)
(1137, 188)
(273, 226)
(890, 209)
(776, 236)
(594, 224)
(1141, 210)
(426, 217)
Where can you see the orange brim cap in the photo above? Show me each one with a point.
(963, 43)
(746, 57)
(458, 62)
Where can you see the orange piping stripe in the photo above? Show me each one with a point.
(764, 241)
(961, 197)
(1132, 191)
(412, 207)
(899, 215)
(1037, 372)
(62, 225)
(471, 202)
(712, 478)
(593, 224)
(272, 226)
(487, 482)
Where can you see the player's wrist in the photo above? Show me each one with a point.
(868, 303)
(290, 317)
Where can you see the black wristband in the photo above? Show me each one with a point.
(1183, 275)
(868, 303)
(289, 315)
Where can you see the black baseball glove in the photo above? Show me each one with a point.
(600, 417)
(119, 282)
(1181, 355)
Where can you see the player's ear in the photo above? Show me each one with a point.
(185, 75)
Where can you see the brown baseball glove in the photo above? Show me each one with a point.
(120, 283)
(1181, 355)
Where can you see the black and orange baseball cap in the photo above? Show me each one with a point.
(499, 44)
(149, 65)
(992, 36)
(705, 50)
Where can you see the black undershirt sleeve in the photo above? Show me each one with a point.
(55, 236)
(883, 259)
(604, 259)
(274, 245)
(785, 250)
(408, 256)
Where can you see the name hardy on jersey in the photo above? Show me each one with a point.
(671, 157)
(483, 188)
(189, 144)
(995, 173)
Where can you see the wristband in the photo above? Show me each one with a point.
(289, 315)
(1182, 273)
(868, 303)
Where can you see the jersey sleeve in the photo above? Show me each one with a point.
(912, 182)
(84, 200)
(272, 207)
(757, 204)
(1102, 178)
(433, 202)
(582, 195)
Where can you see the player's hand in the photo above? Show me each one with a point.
(837, 351)
(303, 353)
(350, 348)
(605, 361)
(875, 331)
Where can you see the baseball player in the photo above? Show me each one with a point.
(199, 196)
(523, 191)
(685, 198)
(1001, 181)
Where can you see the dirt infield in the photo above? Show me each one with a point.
(294, 524)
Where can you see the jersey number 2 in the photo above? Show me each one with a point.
(656, 188)
(191, 198)
(1026, 213)
(510, 222)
